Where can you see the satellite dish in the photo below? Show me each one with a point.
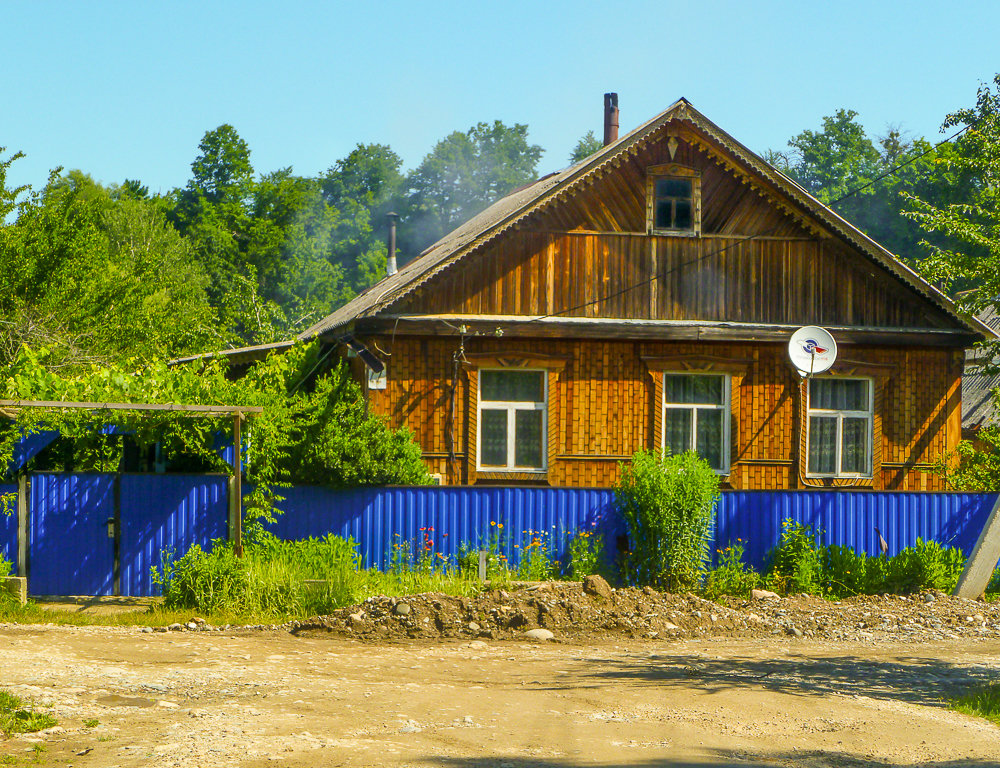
(812, 350)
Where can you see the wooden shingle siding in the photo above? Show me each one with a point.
(602, 407)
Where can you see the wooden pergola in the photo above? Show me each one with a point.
(238, 413)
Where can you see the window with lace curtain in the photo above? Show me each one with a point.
(696, 416)
(512, 420)
(839, 435)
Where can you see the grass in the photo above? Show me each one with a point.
(18, 717)
(981, 702)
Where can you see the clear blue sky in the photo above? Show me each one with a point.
(127, 89)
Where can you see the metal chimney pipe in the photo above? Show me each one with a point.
(390, 264)
(610, 118)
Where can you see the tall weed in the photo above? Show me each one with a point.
(667, 505)
(795, 565)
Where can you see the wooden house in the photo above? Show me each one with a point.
(644, 298)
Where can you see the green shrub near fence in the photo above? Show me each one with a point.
(667, 503)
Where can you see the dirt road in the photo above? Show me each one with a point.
(272, 698)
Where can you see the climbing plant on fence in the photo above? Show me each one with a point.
(314, 427)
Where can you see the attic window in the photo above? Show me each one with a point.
(672, 206)
(673, 200)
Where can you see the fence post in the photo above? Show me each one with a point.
(237, 487)
(979, 567)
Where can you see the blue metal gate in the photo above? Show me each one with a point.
(166, 513)
(8, 524)
(70, 552)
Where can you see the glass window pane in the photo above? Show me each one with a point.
(682, 215)
(839, 394)
(677, 429)
(518, 386)
(664, 214)
(528, 439)
(710, 443)
(493, 438)
(700, 390)
(854, 451)
(673, 188)
(823, 445)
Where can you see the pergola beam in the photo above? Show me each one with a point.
(236, 412)
(248, 411)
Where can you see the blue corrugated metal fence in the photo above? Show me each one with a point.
(849, 518)
(379, 518)
(70, 550)
(71, 553)
(166, 513)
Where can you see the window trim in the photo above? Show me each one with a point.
(674, 171)
(725, 406)
(512, 406)
(869, 415)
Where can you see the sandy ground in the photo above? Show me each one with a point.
(273, 698)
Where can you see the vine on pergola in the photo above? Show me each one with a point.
(313, 429)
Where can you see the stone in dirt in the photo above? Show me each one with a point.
(598, 586)
(402, 609)
(763, 594)
(540, 635)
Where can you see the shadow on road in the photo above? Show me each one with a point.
(813, 759)
(914, 679)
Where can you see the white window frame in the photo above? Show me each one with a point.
(869, 415)
(725, 406)
(512, 407)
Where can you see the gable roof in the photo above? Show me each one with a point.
(510, 210)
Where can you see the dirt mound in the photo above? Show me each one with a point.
(573, 614)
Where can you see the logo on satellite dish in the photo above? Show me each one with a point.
(812, 350)
(812, 347)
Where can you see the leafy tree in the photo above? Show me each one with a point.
(8, 197)
(866, 180)
(970, 257)
(585, 147)
(363, 187)
(292, 233)
(97, 277)
(462, 175)
(222, 172)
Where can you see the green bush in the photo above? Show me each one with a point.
(731, 576)
(6, 567)
(927, 565)
(585, 555)
(276, 578)
(845, 572)
(269, 580)
(536, 562)
(667, 505)
(795, 565)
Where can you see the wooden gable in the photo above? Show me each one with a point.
(760, 257)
